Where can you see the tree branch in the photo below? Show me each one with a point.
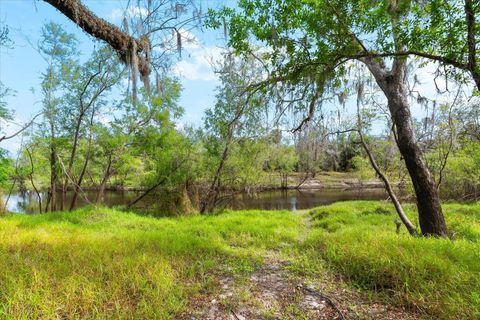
(99, 28)
(25, 127)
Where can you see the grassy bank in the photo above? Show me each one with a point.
(102, 263)
(438, 276)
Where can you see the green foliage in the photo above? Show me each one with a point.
(133, 145)
(244, 166)
(57, 44)
(461, 176)
(439, 28)
(350, 148)
(282, 158)
(437, 276)
(6, 169)
(244, 112)
(362, 168)
(5, 114)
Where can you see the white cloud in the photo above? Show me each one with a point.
(189, 40)
(131, 12)
(200, 64)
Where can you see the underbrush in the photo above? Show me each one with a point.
(439, 277)
(102, 263)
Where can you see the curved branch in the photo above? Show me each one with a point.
(25, 127)
(101, 29)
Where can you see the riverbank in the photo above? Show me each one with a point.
(268, 182)
(266, 200)
(344, 258)
(301, 193)
(330, 180)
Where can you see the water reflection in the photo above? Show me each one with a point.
(269, 200)
(302, 199)
(293, 202)
(27, 202)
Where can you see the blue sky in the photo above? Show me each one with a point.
(21, 66)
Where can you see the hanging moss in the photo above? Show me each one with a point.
(134, 66)
(133, 52)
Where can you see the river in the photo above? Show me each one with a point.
(267, 200)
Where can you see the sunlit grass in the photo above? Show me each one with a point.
(101, 263)
(438, 276)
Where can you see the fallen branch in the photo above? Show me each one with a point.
(156, 185)
(235, 315)
(324, 298)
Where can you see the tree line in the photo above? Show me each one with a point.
(304, 53)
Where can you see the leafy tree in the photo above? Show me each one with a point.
(6, 169)
(86, 89)
(445, 32)
(282, 159)
(313, 40)
(58, 49)
(236, 114)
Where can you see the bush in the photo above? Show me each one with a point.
(461, 176)
(363, 168)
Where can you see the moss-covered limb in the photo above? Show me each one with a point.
(99, 28)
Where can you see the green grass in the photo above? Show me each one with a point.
(108, 264)
(441, 277)
(102, 263)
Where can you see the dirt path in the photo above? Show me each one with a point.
(277, 291)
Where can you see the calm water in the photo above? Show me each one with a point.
(304, 199)
(269, 200)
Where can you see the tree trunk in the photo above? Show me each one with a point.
(471, 42)
(32, 182)
(53, 172)
(392, 83)
(430, 213)
(63, 197)
(388, 187)
(160, 182)
(393, 197)
(103, 184)
(211, 196)
(144, 194)
(77, 187)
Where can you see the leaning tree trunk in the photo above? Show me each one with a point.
(77, 187)
(53, 176)
(108, 173)
(430, 213)
(388, 187)
(392, 83)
